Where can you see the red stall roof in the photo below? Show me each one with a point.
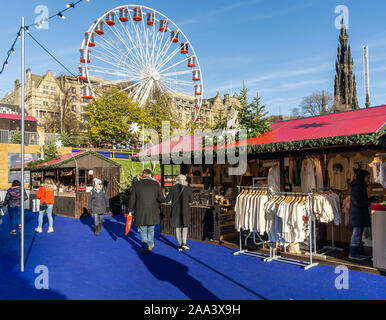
(347, 123)
(16, 117)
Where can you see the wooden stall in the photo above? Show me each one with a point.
(73, 174)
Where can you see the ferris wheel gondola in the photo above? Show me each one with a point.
(131, 49)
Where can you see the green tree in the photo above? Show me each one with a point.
(252, 116)
(157, 110)
(66, 139)
(220, 120)
(49, 152)
(109, 118)
(16, 137)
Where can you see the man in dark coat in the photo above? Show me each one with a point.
(144, 201)
(359, 213)
(181, 196)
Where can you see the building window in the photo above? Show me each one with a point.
(45, 103)
(45, 91)
(73, 99)
(73, 90)
(45, 87)
(73, 108)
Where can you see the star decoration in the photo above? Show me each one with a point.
(134, 128)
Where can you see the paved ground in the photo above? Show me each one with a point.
(110, 266)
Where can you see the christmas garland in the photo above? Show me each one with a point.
(376, 139)
(33, 166)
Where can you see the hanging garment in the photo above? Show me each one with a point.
(337, 173)
(359, 162)
(378, 166)
(311, 175)
(274, 178)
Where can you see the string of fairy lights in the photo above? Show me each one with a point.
(60, 14)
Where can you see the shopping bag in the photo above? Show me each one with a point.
(3, 211)
(129, 221)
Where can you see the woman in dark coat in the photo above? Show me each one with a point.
(98, 205)
(181, 196)
(359, 213)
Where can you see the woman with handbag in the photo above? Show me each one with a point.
(13, 203)
(181, 196)
(98, 205)
(46, 195)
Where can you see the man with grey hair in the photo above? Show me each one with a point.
(144, 201)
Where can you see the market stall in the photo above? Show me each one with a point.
(73, 174)
(316, 154)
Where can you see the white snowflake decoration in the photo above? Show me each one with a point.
(58, 144)
(134, 128)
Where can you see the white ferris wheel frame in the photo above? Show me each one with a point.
(162, 50)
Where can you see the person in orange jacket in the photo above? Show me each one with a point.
(46, 195)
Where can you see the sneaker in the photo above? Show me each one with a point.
(179, 248)
(39, 229)
(151, 247)
(50, 230)
(13, 232)
(185, 246)
(354, 254)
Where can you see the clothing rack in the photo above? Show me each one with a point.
(254, 233)
(311, 222)
(331, 248)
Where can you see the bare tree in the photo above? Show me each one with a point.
(64, 115)
(318, 103)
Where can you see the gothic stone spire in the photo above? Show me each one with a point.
(345, 85)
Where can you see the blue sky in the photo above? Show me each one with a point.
(283, 49)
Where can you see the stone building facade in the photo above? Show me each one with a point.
(44, 94)
(184, 106)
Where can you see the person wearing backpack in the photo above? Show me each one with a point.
(181, 196)
(98, 205)
(46, 195)
(13, 202)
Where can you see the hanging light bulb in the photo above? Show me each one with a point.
(18, 35)
(70, 5)
(13, 50)
(26, 29)
(61, 15)
(6, 63)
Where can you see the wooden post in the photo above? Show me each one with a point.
(282, 180)
(162, 175)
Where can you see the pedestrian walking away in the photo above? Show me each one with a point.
(144, 202)
(13, 203)
(181, 196)
(46, 195)
(98, 205)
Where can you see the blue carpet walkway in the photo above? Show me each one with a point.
(110, 266)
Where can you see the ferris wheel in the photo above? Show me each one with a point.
(140, 51)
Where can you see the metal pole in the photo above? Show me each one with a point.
(22, 142)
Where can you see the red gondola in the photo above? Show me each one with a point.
(174, 36)
(123, 14)
(82, 74)
(198, 89)
(87, 42)
(110, 18)
(163, 25)
(86, 93)
(84, 55)
(196, 75)
(150, 18)
(137, 14)
(192, 62)
(184, 48)
(99, 27)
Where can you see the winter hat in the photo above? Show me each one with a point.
(181, 179)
